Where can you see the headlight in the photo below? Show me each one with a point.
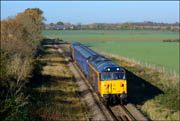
(122, 85)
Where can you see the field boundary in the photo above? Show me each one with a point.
(143, 64)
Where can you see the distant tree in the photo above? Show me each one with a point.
(79, 25)
(99, 26)
(51, 24)
(60, 23)
(126, 25)
(168, 28)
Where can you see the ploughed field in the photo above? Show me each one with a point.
(146, 46)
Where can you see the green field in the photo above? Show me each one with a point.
(143, 45)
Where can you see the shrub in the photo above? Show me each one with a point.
(19, 39)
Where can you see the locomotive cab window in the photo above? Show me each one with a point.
(112, 76)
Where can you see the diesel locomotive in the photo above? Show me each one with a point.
(107, 78)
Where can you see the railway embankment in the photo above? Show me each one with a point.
(53, 91)
(154, 93)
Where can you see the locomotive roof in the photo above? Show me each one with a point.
(102, 64)
(98, 61)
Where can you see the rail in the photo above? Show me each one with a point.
(131, 117)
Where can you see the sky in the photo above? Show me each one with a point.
(97, 11)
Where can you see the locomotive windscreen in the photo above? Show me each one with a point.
(112, 76)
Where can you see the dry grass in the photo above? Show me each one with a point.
(158, 112)
(58, 95)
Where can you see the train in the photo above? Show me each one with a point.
(107, 78)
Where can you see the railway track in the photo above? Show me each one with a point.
(120, 113)
(131, 117)
(117, 112)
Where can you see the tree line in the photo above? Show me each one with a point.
(146, 25)
(20, 39)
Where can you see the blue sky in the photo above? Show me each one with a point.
(97, 11)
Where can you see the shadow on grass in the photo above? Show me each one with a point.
(57, 62)
(38, 86)
(47, 41)
(140, 90)
(43, 101)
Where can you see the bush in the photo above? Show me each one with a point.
(19, 39)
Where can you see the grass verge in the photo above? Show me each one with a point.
(54, 94)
